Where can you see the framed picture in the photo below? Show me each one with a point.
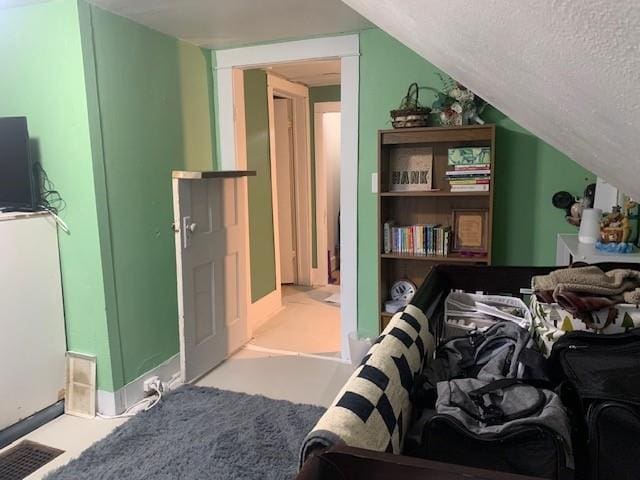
(470, 231)
(411, 169)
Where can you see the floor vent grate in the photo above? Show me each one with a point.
(24, 459)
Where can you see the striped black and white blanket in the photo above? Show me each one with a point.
(372, 410)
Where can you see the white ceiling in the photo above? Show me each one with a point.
(566, 70)
(221, 24)
(18, 3)
(313, 74)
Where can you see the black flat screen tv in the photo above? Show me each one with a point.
(18, 186)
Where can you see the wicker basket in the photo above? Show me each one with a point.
(410, 113)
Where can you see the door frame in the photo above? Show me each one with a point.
(232, 153)
(321, 273)
(299, 95)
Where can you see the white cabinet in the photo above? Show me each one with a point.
(32, 334)
(569, 250)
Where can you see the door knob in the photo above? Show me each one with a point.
(192, 227)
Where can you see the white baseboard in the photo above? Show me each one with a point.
(263, 309)
(114, 403)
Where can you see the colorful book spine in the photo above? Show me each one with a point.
(470, 188)
(468, 173)
(471, 181)
(416, 240)
(470, 168)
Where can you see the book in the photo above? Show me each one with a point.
(470, 173)
(387, 235)
(471, 181)
(470, 188)
(416, 240)
(471, 168)
(469, 155)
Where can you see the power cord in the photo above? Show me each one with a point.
(58, 220)
(50, 198)
(143, 405)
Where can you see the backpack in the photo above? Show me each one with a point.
(599, 379)
(504, 350)
(502, 425)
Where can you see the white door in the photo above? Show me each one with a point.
(211, 261)
(283, 122)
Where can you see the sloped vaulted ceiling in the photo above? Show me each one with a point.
(567, 70)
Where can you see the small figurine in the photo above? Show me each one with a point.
(616, 229)
(613, 228)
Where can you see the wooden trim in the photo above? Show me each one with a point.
(193, 175)
(435, 193)
(345, 47)
(451, 258)
(274, 200)
(263, 309)
(293, 51)
(299, 94)
(285, 86)
(460, 128)
(471, 133)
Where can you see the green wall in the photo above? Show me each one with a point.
(528, 171)
(43, 79)
(329, 93)
(263, 266)
(153, 98)
(114, 107)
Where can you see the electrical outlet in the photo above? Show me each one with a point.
(150, 383)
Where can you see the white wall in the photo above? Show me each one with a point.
(566, 70)
(331, 149)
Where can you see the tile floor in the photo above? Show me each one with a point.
(307, 324)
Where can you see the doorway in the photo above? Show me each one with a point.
(230, 65)
(304, 148)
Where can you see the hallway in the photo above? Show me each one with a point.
(306, 324)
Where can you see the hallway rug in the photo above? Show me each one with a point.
(201, 433)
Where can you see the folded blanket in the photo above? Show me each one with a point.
(621, 285)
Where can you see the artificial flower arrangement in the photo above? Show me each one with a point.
(457, 105)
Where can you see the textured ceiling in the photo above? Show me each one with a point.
(230, 23)
(567, 70)
(19, 3)
(313, 74)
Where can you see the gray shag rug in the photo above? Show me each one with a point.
(201, 433)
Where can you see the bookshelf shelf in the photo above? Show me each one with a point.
(451, 258)
(432, 207)
(435, 194)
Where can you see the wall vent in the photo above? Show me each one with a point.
(25, 458)
(80, 398)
